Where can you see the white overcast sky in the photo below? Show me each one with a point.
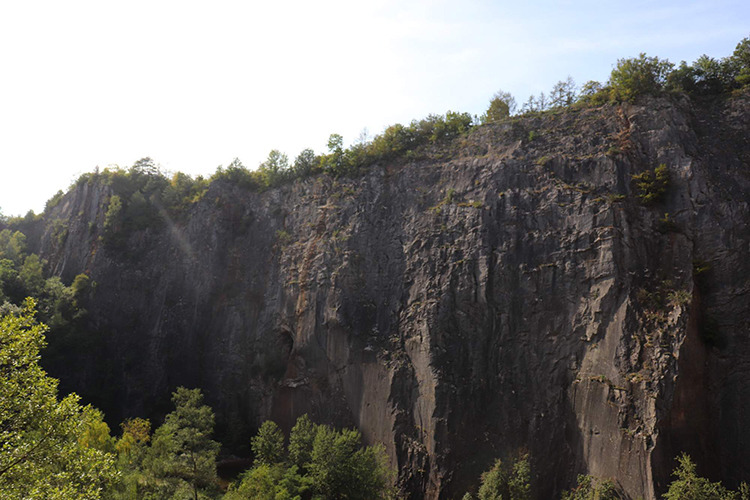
(195, 84)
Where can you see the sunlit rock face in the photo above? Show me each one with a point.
(507, 295)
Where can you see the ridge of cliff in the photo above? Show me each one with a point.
(512, 292)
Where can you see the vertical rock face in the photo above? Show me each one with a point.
(511, 297)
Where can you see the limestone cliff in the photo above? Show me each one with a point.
(512, 294)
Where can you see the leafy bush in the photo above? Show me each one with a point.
(591, 488)
(593, 93)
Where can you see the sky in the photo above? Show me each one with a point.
(194, 85)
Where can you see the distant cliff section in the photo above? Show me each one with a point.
(573, 284)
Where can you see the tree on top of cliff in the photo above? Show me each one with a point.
(502, 105)
(146, 166)
(741, 61)
(639, 75)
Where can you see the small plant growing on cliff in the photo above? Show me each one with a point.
(667, 224)
(283, 237)
(678, 297)
(652, 184)
(447, 200)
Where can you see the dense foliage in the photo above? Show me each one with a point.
(505, 480)
(687, 485)
(592, 488)
(50, 448)
(59, 306)
(53, 448)
(320, 462)
(511, 480)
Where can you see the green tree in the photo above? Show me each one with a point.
(502, 105)
(336, 162)
(321, 461)
(268, 444)
(450, 126)
(712, 76)
(182, 456)
(182, 191)
(740, 60)
(593, 93)
(145, 166)
(112, 216)
(682, 79)
(335, 143)
(636, 76)
(340, 468)
(304, 163)
(275, 169)
(235, 173)
(135, 482)
(268, 482)
(81, 286)
(51, 449)
(563, 93)
(31, 275)
(12, 245)
(687, 485)
(301, 441)
(536, 104)
(9, 282)
(506, 481)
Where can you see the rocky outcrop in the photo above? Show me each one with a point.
(512, 295)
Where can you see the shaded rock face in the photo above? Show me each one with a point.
(513, 296)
